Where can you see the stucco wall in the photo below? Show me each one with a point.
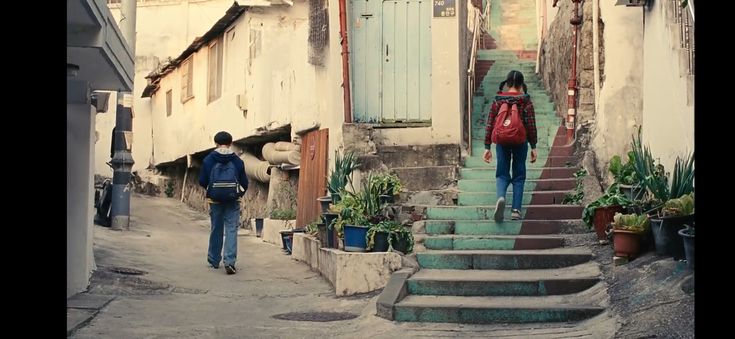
(164, 29)
(79, 197)
(621, 94)
(668, 108)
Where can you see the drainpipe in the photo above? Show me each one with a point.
(541, 12)
(345, 60)
(122, 160)
(572, 85)
(596, 49)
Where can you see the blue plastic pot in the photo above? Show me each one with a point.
(355, 238)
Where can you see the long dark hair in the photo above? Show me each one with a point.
(514, 79)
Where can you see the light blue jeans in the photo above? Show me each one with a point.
(225, 219)
(511, 157)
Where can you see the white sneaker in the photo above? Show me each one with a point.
(499, 209)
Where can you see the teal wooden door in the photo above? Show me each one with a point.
(406, 82)
(365, 53)
(391, 60)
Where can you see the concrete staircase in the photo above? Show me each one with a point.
(475, 270)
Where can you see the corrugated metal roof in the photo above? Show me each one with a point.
(217, 29)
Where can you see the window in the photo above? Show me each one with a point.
(169, 95)
(187, 76)
(255, 45)
(214, 88)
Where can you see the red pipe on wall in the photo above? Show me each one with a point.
(572, 90)
(345, 61)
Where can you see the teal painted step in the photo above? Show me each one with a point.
(467, 212)
(503, 260)
(476, 161)
(485, 198)
(490, 227)
(488, 185)
(492, 242)
(485, 173)
(530, 175)
(488, 198)
(504, 283)
(486, 310)
(486, 212)
(473, 227)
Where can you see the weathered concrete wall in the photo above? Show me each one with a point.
(555, 56)
(272, 230)
(586, 66)
(621, 97)
(668, 108)
(465, 46)
(555, 60)
(79, 196)
(349, 272)
(621, 94)
(253, 203)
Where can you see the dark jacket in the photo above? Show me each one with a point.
(222, 155)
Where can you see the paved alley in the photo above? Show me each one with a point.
(178, 296)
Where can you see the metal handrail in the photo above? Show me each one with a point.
(480, 18)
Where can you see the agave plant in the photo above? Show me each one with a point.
(655, 178)
(682, 182)
(341, 175)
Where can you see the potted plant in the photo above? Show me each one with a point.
(329, 219)
(324, 202)
(389, 186)
(665, 225)
(366, 212)
(258, 227)
(378, 237)
(627, 229)
(402, 239)
(625, 176)
(341, 175)
(675, 213)
(600, 212)
(687, 235)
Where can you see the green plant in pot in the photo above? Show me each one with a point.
(600, 212)
(687, 234)
(341, 175)
(627, 229)
(403, 240)
(388, 184)
(625, 176)
(399, 238)
(679, 207)
(384, 231)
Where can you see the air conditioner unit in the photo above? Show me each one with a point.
(242, 101)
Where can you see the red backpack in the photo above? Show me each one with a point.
(509, 129)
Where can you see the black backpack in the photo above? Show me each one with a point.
(223, 184)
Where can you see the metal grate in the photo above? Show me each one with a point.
(318, 31)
